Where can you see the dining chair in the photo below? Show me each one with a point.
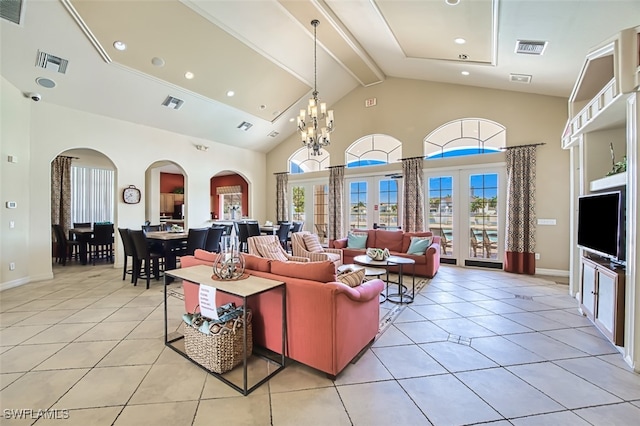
(101, 244)
(283, 234)
(129, 251)
(144, 257)
(196, 239)
(212, 243)
(228, 229)
(64, 247)
(243, 234)
(296, 226)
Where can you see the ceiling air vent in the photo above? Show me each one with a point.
(173, 103)
(273, 134)
(529, 47)
(11, 10)
(50, 62)
(245, 126)
(520, 78)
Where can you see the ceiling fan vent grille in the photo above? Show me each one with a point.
(529, 47)
(11, 10)
(520, 78)
(173, 103)
(50, 62)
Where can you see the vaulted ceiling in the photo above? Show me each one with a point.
(263, 51)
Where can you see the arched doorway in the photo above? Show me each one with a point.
(166, 194)
(229, 196)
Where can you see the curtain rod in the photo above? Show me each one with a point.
(334, 167)
(522, 146)
(412, 158)
(281, 173)
(66, 156)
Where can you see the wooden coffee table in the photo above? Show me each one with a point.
(402, 295)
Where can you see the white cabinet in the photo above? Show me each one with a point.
(602, 298)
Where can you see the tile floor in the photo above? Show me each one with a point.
(476, 347)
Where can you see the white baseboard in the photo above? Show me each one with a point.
(24, 280)
(552, 272)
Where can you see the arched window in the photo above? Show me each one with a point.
(467, 136)
(372, 150)
(303, 162)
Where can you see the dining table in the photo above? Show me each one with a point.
(168, 240)
(269, 229)
(83, 236)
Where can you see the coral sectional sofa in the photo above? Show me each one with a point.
(328, 323)
(397, 242)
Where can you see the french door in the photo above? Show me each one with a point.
(309, 204)
(373, 202)
(466, 209)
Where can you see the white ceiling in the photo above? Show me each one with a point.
(263, 50)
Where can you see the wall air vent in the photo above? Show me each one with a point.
(245, 126)
(50, 62)
(273, 134)
(529, 47)
(11, 10)
(173, 103)
(520, 78)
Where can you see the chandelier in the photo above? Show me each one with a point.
(314, 134)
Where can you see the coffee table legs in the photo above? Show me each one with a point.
(401, 296)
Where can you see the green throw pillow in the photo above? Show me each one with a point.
(419, 245)
(357, 240)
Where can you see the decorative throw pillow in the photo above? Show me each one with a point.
(357, 240)
(313, 243)
(419, 245)
(272, 250)
(352, 278)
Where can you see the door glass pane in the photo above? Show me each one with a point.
(320, 211)
(297, 200)
(441, 211)
(388, 208)
(358, 205)
(483, 216)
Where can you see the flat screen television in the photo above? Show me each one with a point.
(601, 224)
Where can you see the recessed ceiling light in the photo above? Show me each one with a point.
(188, 75)
(291, 120)
(158, 62)
(119, 45)
(452, 2)
(46, 82)
(460, 40)
(262, 107)
(465, 73)
(230, 93)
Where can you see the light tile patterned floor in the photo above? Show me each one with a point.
(476, 346)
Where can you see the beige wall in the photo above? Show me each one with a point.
(37, 132)
(410, 109)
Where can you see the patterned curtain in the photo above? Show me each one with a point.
(61, 192)
(521, 215)
(282, 182)
(413, 212)
(336, 185)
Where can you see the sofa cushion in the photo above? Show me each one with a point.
(271, 250)
(352, 278)
(357, 240)
(312, 242)
(256, 263)
(391, 240)
(419, 245)
(207, 256)
(324, 271)
(406, 239)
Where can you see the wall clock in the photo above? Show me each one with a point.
(131, 195)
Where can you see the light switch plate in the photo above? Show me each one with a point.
(11, 204)
(546, 221)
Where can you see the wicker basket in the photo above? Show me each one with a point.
(221, 350)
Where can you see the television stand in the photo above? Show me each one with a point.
(602, 290)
